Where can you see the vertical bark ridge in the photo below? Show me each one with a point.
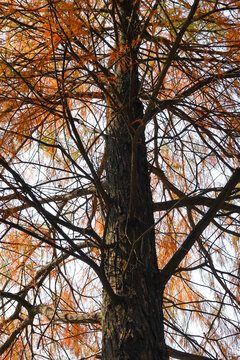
(133, 329)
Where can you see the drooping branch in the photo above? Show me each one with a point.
(157, 206)
(56, 222)
(35, 282)
(179, 255)
(150, 111)
(45, 270)
(71, 318)
(76, 318)
(159, 172)
(50, 313)
(216, 275)
(160, 105)
(185, 200)
(84, 153)
(12, 337)
(64, 197)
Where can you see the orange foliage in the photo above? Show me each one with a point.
(60, 66)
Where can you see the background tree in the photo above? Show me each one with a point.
(119, 130)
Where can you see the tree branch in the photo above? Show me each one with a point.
(14, 334)
(181, 355)
(51, 314)
(16, 297)
(172, 52)
(165, 181)
(193, 201)
(179, 255)
(67, 317)
(56, 222)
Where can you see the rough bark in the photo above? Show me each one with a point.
(132, 329)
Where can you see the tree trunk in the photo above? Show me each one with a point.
(132, 329)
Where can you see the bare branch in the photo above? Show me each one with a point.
(172, 52)
(193, 201)
(14, 334)
(181, 355)
(67, 317)
(179, 255)
(16, 297)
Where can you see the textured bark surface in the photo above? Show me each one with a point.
(132, 329)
